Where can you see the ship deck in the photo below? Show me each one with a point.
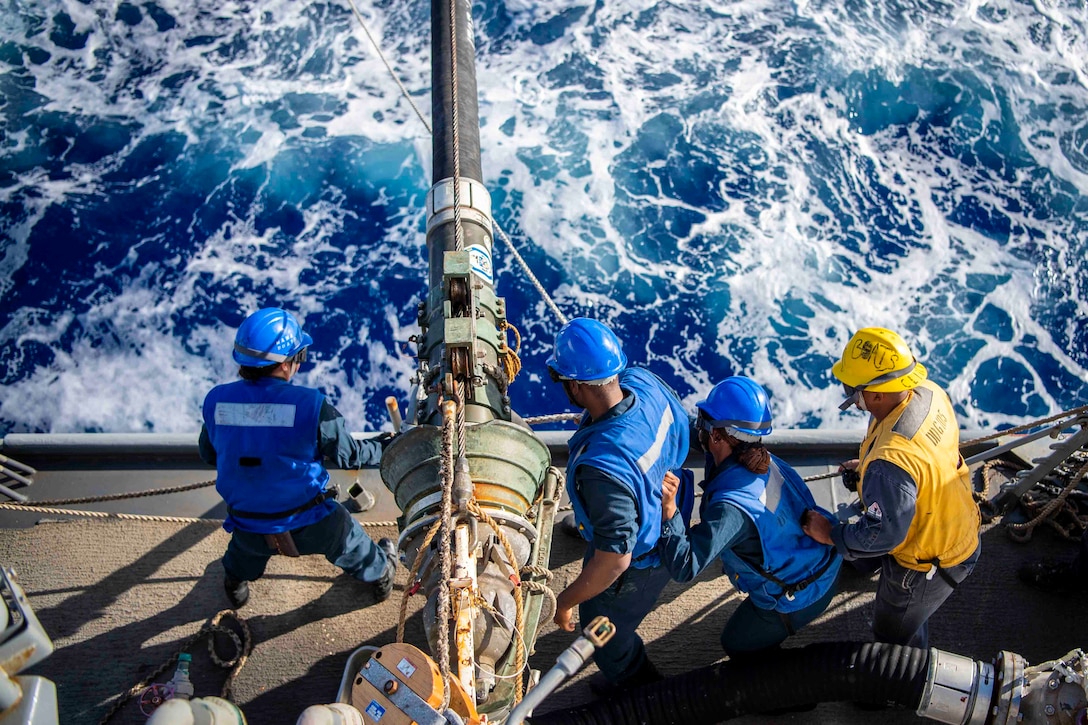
(121, 597)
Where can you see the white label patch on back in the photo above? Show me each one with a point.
(874, 511)
(772, 493)
(255, 415)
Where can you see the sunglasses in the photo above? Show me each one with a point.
(300, 356)
(852, 396)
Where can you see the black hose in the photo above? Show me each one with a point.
(873, 673)
(443, 68)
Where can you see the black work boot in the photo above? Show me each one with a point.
(237, 591)
(384, 586)
(647, 674)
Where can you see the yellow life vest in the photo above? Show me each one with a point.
(921, 436)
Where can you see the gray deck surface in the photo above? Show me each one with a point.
(119, 597)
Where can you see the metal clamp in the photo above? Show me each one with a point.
(475, 204)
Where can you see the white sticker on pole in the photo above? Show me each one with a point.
(480, 259)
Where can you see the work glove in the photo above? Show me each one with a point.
(851, 478)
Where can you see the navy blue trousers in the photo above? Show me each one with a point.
(752, 629)
(626, 603)
(906, 598)
(338, 536)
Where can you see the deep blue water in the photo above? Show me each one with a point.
(734, 186)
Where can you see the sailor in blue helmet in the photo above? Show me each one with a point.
(750, 518)
(633, 431)
(268, 440)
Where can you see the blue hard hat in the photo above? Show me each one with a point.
(586, 350)
(740, 405)
(267, 337)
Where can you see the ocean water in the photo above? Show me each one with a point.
(734, 186)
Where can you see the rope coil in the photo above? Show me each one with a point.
(243, 646)
(1047, 512)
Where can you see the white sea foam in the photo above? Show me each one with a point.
(769, 283)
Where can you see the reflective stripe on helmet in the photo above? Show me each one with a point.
(888, 377)
(740, 405)
(261, 354)
(738, 427)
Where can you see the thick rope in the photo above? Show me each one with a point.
(553, 418)
(243, 646)
(530, 570)
(116, 496)
(1023, 532)
(412, 574)
(110, 515)
(144, 517)
(442, 613)
(539, 587)
(519, 593)
(511, 362)
(561, 417)
(821, 476)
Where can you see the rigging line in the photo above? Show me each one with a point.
(529, 273)
(426, 124)
(116, 496)
(1074, 412)
(111, 515)
(378, 50)
(458, 228)
(461, 387)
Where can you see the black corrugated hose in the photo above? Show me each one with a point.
(871, 672)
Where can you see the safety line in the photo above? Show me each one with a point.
(529, 273)
(403, 90)
(142, 517)
(1028, 426)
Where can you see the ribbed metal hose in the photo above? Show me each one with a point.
(869, 672)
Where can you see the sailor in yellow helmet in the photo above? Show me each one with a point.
(918, 515)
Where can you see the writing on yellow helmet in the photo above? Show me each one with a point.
(878, 360)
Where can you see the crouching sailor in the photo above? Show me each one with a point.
(633, 431)
(750, 517)
(268, 439)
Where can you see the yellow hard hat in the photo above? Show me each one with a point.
(878, 360)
